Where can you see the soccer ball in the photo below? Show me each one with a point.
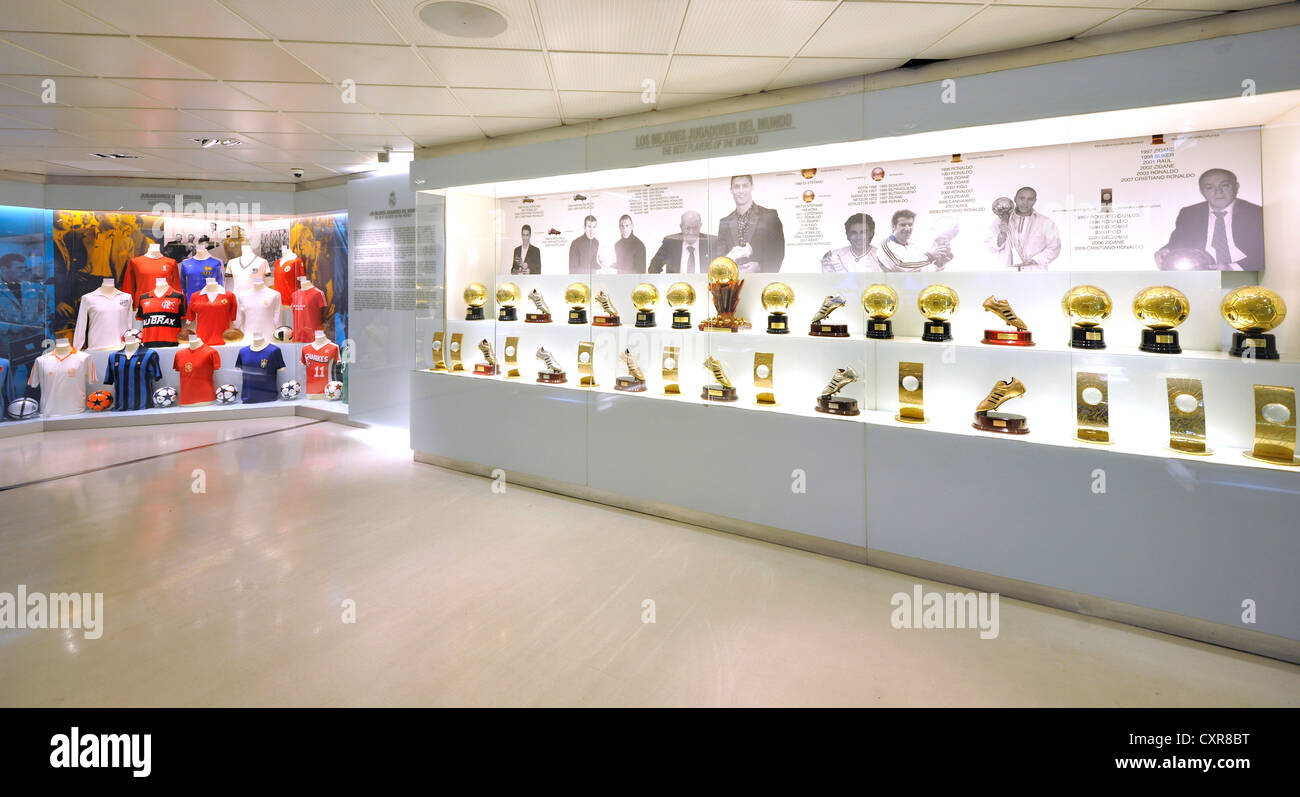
(164, 397)
(290, 390)
(334, 391)
(23, 408)
(99, 401)
(132, 335)
(226, 394)
(282, 335)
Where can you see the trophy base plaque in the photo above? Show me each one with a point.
(1189, 447)
(508, 314)
(606, 321)
(474, 314)
(484, 369)
(681, 319)
(838, 406)
(1087, 338)
(765, 399)
(880, 328)
(549, 378)
(672, 389)
(1001, 422)
(513, 373)
(578, 316)
(645, 318)
(1160, 341)
(587, 381)
(937, 331)
(1003, 337)
(728, 323)
(1261, 346)
(907, 419)
(718, 393)
(1099, 437)
(1294, 463)
(829, 330)
(776, 324)
(537, 318)
(629, 383)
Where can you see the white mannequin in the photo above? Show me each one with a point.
(154, 250)
(130, 347)
(213, 288)
(303, 283)
(161, 287)
(286, 254)
(62, 347)
(108, 288)
(259, 343)
(321, 339)
(195, 342)
(201, 252)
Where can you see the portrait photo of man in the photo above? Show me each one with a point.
(751, 235)
(583, 250)
(685, 252)
(1024, 239)
(1227, 229)
(527, 259)
(629, 252)
(859, 255)
(903, 255)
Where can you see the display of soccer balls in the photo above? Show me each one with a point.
(164, 396)
(282, 335)
(99, 401)
(23, 408)
(226, 394)
(290, 390)
(131, 336)
(334, 391)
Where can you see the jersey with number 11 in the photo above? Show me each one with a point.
(318, 362)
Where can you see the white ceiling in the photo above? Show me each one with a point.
(145, 77)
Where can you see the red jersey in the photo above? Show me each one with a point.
(287, 273)
(212, 315)
(319, 364)
(142, 273)
(162, 317)
(308, 314)
(196, 367)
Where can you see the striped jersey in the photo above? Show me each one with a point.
(162, 317)
(132, 377)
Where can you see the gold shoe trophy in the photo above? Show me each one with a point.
(1020, 336)
(1253, 310)
(507, 298)
(644, 298)
(777, 298)
(830, 402)
(723, 390)
(724, 288)
(880, 301)
(543, 314)
(680, 297)
(937, 304)
(634, 382)
(475, 296)
(577, 296)
(553, 374)
(829, 305)
(610, 319)
(1086, 306)
(986, 420)
(1161, 308)
(489, 365)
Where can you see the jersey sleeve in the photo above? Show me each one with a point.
(109, 370)
(216, 360)
(189, 307)
(239, 359)
(234, 307)
(129, 281)
(277, 362)
(79, 333)
(176, 362)
(90, 369)
(154, 369)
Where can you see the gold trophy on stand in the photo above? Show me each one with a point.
(634, 382)
(475, 297)
(680, 297)
(937, 304)
(671, 357)
(644, 298)
(1019, 336)
(1274, 426)
(1087, 306)
(988, 420)
(819, 326)
(831, 402)
(723, 390)
(489, 365)
(577, 296)
(1161, 308)
(610, 319)
(543, 314)
(880, 301)
(507, 298)
(724, 287)
(763, 379)
(1253, 310)
(777, 298)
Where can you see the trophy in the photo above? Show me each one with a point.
(987, 420)
(543, 314)
(644, 298)
(911, 393)
(553, 374)
(880, 301)
(1253, 310)
(1274, 426)
(454, 350)
(577, 296)
(489, 365)
(511, 352)
(763, 379)
(610, 319)
(1020, 336)
(724, 287)
(587, 364)
(1092, 408)
(833, 404)
(507, 298)
(1002, 207)
(680, 297)
(1186, 416)
(671, 357)
(634, 382)
(777, 298)
(829, 305)
(439, 351)
(937, 304)
(723, 390)
(1161, 308)
(475, 296)
(1086, 306)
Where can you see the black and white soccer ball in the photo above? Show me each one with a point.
(226, 394)
(282, 335)
(334, 390)
(23, 408)
(132, 335)
(164, 396)
(290, 390)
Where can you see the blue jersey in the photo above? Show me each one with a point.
(133, 377)
(260, 369)
(195, 273)
(6, 386)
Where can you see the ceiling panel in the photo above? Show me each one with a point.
(1006, 28)
(10, 94)
(46, 16)
(754, 27)
(1114, 4)
(408, 99)
(520, 32)
(912, 27)
(304, 97)
(311, 171)
(428, 131)
(1140, 18)
(802, 71)
(669, 99)
(166, 17)
(317, 20)
(14, 60)
(10, 121)
(106, 56)
(606, 71)
(235, 59)
(363, 63)
(285, 141)
(721, 74)
(86, 92)
(68, 119)
(508, 102)
(155, 119)
(484, 68)
(602, 104)
(192, 93)
(42, 138)
(155, 139)
(252, 121)
(504, 125)
(1211, 5)
(399, 143)
(351, 124)
(629, 26)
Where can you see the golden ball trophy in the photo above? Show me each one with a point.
(1018, 336)
(475, 297)
(724, 288)
(543, 314)
(937, 304)
(634, 382)
(777, 298)
(1161, 308)
(831, 402)
(823, 330)
(644, 298)
(680, 297)
(553, 374)
(1086, 306)
(1253, 310)
(880, 301)
(577, 296)
(489, 365)
(507, 298)
(987, 420)
(610, 318)
(723, 390)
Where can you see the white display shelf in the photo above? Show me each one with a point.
(312, 408)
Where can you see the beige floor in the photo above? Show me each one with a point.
(233, 596)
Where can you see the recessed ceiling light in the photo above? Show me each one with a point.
(114, 156)
(212, 142)
(465, 20)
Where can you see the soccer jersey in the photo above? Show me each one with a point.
(62, 381)
(308, 314)
(101, 320)
(287, 273)
(318, 362)
(6, 386)
(259, 312)
(260, 370)
(196, 367)
(245, 270)
(142, 273)
(133, 376)
(162, 317)
(212, 314)
(195, 273)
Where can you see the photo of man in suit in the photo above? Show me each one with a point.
(686, 252)
(629, 252)
(751, 235)
(582, 252)
(527, 259)
(1230, 231)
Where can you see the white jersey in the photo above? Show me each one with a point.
(244, 271)
(63, 382)
(259, 312)
(101, 320)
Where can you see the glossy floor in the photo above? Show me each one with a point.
(226, 569)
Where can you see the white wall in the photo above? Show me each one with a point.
(1280, 142)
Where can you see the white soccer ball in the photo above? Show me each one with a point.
(131, 336)
(334, 391)
(282, 334)
(226, 394)
(290, 390)
(164, 397)
(23, 408)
